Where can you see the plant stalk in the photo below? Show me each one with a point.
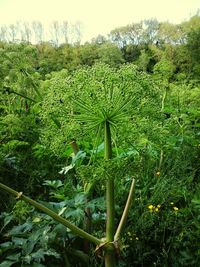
(125, 212)
(76, 230)
(110, 227)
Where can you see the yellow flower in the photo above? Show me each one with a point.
(175, 208)
(150, 207)
(137, 238)
(156, 209)
(158, 173)
(172, 203)
(158, 206)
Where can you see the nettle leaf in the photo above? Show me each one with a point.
(14, 257)
(19, 241)
(41, 253)
(60, 230)
(20, 229)
(97, 203)
(28, 247)
(7, 263)
(27, 259)
(79, 199)
(76, 215)
(6, 245)
(8, 218)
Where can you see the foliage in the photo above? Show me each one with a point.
(53, 96)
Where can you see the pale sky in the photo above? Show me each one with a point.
(96, 16)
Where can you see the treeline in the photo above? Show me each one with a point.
(148, 31)
(36, 32)
(150, 45)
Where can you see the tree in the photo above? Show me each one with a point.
(117, 36)
(76, 33)
(38, 31)
(3, 33)
(110, 54)
(88, 54)
(170, 33)
(150, 33)
(65, 31)
(143, 60)
(12, 31)
(100, 39)
(55, 31)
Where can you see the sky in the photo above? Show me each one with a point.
(96, 16)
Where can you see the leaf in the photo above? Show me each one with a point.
(78, 157)
(7, 220)
(60, 230)
(6, 245)
(55, 183)
(39, 255)
(66, 169)
(28, 247)
(21, 229)
(100, 148)
(19, 241)
(14, 257)
(7, 263)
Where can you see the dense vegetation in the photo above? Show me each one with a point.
(142, 83)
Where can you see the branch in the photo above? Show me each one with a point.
(76, 230)
(125, 212)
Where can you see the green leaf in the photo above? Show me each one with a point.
(14, 257)
(19, 241)
(7, 220)
(7, 263)
(78, 158)
(55, 183)
(21, 229)
(66, 169)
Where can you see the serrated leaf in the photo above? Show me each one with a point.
(7, 263)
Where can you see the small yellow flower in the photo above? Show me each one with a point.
(158, 173)
(172, 203)
(158, 206)
(137, 238)
(150, 207)
(156, 209)
(175, 208)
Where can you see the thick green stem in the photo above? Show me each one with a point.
(110, 227)
(76, 230)
(125, 212)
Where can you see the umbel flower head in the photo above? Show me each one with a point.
(113, 108)
(111, 95)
